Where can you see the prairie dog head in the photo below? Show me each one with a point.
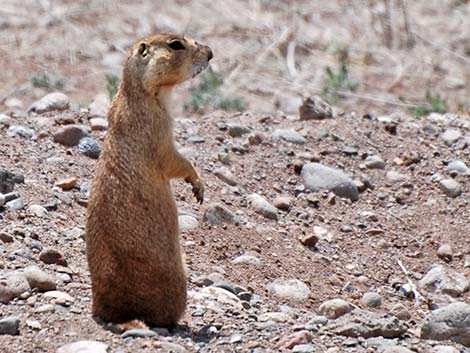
(165, 60)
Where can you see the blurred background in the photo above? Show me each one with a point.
(369, 56)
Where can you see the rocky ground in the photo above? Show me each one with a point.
(321, 231)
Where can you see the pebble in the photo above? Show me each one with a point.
(274, 316)
(12, 285)
(224, 174)
(139, 332)
(445, 280)
(294, 339)
(397, 349)
(247, 259)
(50, 102)
(67, 184)
(291, 289)
(395, 177)
(70, 135)
(458, 166)
(99, 107)
(372, 300)
(444, 349)
(262, 206)
(21, 131)
(15, 205)
(401, 312)
(445, 252)
(282, 203)
(99, 124)
(84, 347)
(451, 322)
(52, 256)
(33, 324)
(315, 108)
(6, 238)
(46, 308)
(89, 147)
(187, 222)
(289, 135)
(236, 338)
(450, 187)
(317, 177)
(309, 239)
(217, 214)
(38, 279)
(335, 308)
(38, 211)
(59, 297)
(451, 136)
(5, 120)
(10, 326)
(238, 130)
(303, 348)
(374, 162)
(170, 347)
(256, 138)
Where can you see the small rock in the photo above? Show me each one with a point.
(458, 166)
(395, 177)
(70, 135)
(451, 136)
(38, 211)
(401, 312)
(84, 347)
(451, 322)
(33, 324)
(217, 214)
(5, 120)
(21, 131)
(247, 259)
(317, 177)
(236, 338)
(238, 130)
(15, 205)
(291, 289)
(59, 297)
(289, 135)
(256, 138)
(315, 108)
(50, 102)
(444, 349)
(187, 222)
(224, 174)
(99, 124)
(372, 300)
(445, 280)
(282, 203)
(67, 184)
(374, 162)
(89, 147)
(445, 252)
(450, 187)
(303, 348)
(12, 285)
(262, 206)
(10, 326)
(335, 308)
(99, 107)
(6, 238)
(274, 316)
(139, 332)
(309, 239)
(397, 349)
(294, 339)
(39, 279)
(170, 347)
(52, 256)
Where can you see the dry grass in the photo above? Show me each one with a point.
(397, 49)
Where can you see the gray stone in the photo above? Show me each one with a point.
(238, 130)
(401, 312)
(374, 162)
(262, 206)
(335, 308)
(397, 349)
(289, 135)
(451, 136)
(187, 222)
(450, 187)
(10, 326)
(445, 252)
(291, 289)
(12, 285)
(315, 108)
(70, 135)
(282, 203)
(395, 177)
(224, 174)
(236, 338)
(5, 120)
(15, 205)
(303, 348)
(217, 214)
(170, 347)
(360, 323)
(84, 347)
(444, 349)
(318, 177)
(372, 300)
(445, 280)
(247, 259)
(38, 211)
(451, 322)
(50, 102)
(38, 279)
(458, 166)
(89, 147)
(139, 332)
(21, 131)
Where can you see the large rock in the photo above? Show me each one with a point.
(318, 177)
(262, 206)
(12, 285)
(52, 101)
(360, 323)
(70, 135)
(451, 322)
(335, 308)
(10, 326)
(315, 108)
(291, 289)
(446, 281)
(218, 214)
(39, 279)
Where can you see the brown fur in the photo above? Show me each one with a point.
(132, 232)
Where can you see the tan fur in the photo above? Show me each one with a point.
(132, 232)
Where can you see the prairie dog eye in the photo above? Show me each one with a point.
(143, 49)
(176, 45)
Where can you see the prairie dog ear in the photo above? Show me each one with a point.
(143, 49)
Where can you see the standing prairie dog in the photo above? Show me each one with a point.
(132, 236)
